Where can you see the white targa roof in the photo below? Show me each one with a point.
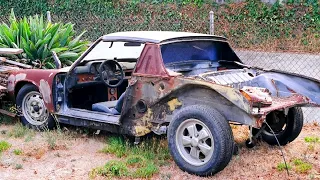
(153, 36)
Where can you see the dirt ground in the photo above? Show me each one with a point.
(75, 156)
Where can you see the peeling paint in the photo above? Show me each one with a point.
(174, 103)
(11, 80)
(45, 90)
(20, 77)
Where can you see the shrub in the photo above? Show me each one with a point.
(17, 152)
(282, 166)
(4, 145)
(38, 38)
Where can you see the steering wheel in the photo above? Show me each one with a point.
(111, 71)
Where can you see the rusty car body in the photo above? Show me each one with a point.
(164, 75)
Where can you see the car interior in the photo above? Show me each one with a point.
(89, 90)
(99, 82)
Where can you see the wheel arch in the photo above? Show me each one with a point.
(202, 94)
(20, 84)
(191, 94)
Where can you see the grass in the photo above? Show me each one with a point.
(282, 166)
(51, 139)
(4, 145)
(301, 166)
(20, 131)
(17, 152)
(113, 168)
(312, 139)
(140, 161)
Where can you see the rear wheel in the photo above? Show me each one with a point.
(34, 112)
(200, 140)
(286, 128)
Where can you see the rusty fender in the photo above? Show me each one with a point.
(151, 102)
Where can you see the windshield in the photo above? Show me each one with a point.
(115, 50)
(212, 51)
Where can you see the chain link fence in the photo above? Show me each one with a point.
(304, 63)
(300, 63)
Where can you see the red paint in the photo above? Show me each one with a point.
(150, 62)
(34, 76)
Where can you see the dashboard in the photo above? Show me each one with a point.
(89, 71)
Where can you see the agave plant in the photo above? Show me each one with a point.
(38, 38)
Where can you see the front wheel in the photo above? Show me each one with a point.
(200, 140)
(34, 112)
(286, 127)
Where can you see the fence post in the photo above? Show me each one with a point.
(48, 16)
(211, 16)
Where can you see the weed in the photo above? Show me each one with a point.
(116, 145)
(312, 139)
(304, 167)
(146, 171)
(4, 145)
(51, 139)
(301, 166)
(135, 160)
(297, 161)
(311, 147)
(113, 168)
(140, 161)
(18, 166)
(20, 131)
(282, 166)
(17, 152)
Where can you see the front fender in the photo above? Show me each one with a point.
(42, 79)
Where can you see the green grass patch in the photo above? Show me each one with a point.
(113, 168)
(282, 166)
(116, 145)
(304, 167)
(312, 139)
(146, 171)
(136, 161)
(4, 145)
(301, 166)
(17, 152)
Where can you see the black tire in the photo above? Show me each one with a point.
(293, 126)
(48, 124)
(222, 137)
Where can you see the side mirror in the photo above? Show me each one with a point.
(56, 59)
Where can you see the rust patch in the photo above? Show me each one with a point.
(147, 116)
(173, 104)
(45, 90)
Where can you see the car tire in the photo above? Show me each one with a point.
(286, 129)
(34, 113)
(192, 152)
